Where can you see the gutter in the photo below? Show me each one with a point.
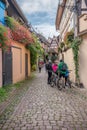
(60, 11)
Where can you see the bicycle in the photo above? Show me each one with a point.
(61, 82)
(53, 79)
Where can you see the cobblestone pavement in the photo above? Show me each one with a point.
(45, 108)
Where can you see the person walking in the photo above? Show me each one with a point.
(49, 69)
(39, 66)
(63, 70)
(46, 65)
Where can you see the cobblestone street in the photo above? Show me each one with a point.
(42, 107)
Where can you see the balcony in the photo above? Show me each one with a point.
(82, 24)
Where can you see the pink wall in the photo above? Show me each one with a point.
(0, 67)
(18, 62)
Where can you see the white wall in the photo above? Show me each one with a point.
(83, 61)
(68, 58)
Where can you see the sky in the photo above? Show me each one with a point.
(41, 14)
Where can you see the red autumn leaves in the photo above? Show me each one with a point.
(16, 32)
(22, 34)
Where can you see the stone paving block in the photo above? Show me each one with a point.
(55, 128)
(71, 128)
(64, 129)
(42, 127)
(45, 108)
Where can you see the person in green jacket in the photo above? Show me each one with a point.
(63, 70)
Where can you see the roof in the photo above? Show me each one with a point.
(60, 10)
(15, 4)
(54, 42)
(42, 39)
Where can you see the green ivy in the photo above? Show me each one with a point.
(35, 51)
(74, 44)
(75, 47)
(62, 44)
(59, 50)
(3, 37)
(69, 38)
(10, 22)
(33, 54)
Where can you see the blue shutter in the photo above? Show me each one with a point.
(2, 12)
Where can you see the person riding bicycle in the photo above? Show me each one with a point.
(63, 70)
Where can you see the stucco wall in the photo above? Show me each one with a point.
(68, 58)
(83, 61)
(66, 23)
(18, 56)
(83, 23)
(0, 68)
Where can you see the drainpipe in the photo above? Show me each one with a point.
(75, 19)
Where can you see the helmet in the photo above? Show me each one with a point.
(61, 60)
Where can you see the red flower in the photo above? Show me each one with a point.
(21, 34)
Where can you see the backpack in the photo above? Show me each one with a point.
(64, 67)
(49, 67)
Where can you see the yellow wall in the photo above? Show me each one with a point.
(0, 67)
(68, 59)
(18, 61)
(83, 61)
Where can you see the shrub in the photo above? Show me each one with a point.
(19, 32)
(5, 37)
(69, 37)
(33, 68)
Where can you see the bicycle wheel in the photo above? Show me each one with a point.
(59, 84)
(69, 83)
(52, 82)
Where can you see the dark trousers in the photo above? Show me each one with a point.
(49, 77)
(63, 75)
(39, 69)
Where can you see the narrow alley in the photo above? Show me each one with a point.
(43, 107)
(37, 35)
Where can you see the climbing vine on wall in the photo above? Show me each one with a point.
(75, 47)
(35, 51)
(5, 37)
(74, 44)
(69, 36)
